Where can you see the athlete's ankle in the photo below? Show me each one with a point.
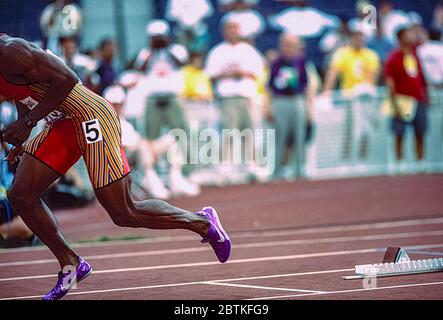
(70, 263)
(202, 225)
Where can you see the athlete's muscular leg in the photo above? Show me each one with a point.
(31, 180)
(151, 214)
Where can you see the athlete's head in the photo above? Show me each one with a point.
(116, 96)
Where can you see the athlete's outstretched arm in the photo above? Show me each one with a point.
(27, 63)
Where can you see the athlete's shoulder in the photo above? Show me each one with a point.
(16, 55)
(10, 44)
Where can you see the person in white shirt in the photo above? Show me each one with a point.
(430, 54)
(147, 152)
(162, 80)
(235, 68)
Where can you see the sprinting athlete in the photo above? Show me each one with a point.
(79, 123)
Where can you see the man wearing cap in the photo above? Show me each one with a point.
(163, 80)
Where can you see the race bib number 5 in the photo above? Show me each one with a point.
(92, 131)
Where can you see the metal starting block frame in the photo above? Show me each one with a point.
(396, 263)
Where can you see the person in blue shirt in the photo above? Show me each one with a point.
(106, 69)
(380, 44)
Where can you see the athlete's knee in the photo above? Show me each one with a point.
(21, 199)
(122, 219)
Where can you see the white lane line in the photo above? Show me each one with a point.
(349, 291)
(257, 233)
(430, 253)
(185, 283)
(285, 275)
(260, 287)
(222, 280)
(71, 293)
(364, 226)
(240, 246)
(210, 263)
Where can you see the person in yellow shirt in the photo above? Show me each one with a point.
(357, 67)
(198, 98)
(197, 84)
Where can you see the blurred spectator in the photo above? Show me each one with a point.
(148, 152)
(81, 64)
(391, 20)
(430, 54)
(136, 97)
(333, 40)
(105, 70)
(198, 94)
(291, 103)
(416, 25)
(162, 64)
(234, 67)
(358, 67)
(437, 19)
(380, 44)
(303, 20)
(251, 22)
(197, 83)
(408, 96)
(192, 30)
(60, 19)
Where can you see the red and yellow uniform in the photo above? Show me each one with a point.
(85, 125)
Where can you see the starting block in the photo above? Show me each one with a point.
(396, 262)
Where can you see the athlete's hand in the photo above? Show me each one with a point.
(13, 154)
(17, 132)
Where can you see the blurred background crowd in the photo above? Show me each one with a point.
(350, 87)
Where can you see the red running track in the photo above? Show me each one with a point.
(290, 241)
